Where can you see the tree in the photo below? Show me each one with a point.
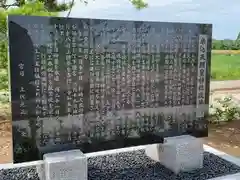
(50, 5)
(139, 4)
(55, 6)
(238, 37)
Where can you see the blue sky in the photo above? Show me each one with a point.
(223, 14)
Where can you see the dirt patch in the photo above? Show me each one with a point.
(225, 137)
(5, 142)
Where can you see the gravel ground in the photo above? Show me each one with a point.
(135, 166)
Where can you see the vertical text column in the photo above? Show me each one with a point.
(201, 80)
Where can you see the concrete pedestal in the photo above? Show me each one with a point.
(182, 153)
(66, 165)
(125, 164)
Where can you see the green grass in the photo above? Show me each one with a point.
(225, 67)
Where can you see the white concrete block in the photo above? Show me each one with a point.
(66, 165)
(40, 171)
(182, 153)
(153, 151)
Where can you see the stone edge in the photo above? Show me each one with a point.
(227, 157)
(225, 89)
(207, 148)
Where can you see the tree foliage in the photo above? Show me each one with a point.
(226, 44)
(50, 5)
(54, 5)
(139, 4)
(238, 37)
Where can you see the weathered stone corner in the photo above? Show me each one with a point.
(182, 153)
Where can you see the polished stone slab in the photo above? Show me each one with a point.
(100, 84)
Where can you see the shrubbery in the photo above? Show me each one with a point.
(226, 44)
(224, 109)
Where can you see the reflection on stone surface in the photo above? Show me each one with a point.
(101, 84)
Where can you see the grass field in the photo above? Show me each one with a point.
(225, 65)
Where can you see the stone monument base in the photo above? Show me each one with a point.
(65, 165)
(182, 153)
(179, 154)
(127, 163)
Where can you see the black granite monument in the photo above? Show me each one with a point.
(97, 84)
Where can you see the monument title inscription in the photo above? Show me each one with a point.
(98, 84)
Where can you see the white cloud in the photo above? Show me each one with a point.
(159, 3)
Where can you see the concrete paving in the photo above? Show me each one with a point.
(223, 88)
(236, 97)
(225, 85)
